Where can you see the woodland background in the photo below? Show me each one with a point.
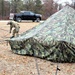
(44, 7)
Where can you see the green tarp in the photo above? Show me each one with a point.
(52, 40)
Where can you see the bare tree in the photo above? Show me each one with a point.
(73, 4)
(4, 9)
(50, 7)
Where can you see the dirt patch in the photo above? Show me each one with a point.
(13, 64)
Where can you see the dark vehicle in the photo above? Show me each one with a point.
(27, 15)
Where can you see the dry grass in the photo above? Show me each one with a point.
(13, 64)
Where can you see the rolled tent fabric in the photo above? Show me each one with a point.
(53, 40)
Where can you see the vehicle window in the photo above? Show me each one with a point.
(31, 13)
(26, 13)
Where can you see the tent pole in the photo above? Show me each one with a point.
(57, 69)
(37, 66)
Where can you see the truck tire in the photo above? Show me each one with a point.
(18, 19)
(37, 19)
(33, 20)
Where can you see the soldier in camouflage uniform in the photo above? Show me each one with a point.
(16, 27)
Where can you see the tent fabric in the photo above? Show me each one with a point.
(53, 40)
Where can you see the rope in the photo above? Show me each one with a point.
(3, 29)
(37, 66)
(5, 36)
(4, 41)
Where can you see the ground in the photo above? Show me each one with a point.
(13, 64)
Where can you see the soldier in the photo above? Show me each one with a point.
(16, 27)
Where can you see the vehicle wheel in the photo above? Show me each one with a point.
(18, 19)
(33, 20)
(38, 20)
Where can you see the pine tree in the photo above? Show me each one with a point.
(16, 5)
(38, 6)
(29, 5)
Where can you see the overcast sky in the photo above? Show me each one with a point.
(62, 1)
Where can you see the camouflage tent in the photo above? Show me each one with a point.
(52, 40)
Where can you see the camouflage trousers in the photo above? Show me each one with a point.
(15, 33)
